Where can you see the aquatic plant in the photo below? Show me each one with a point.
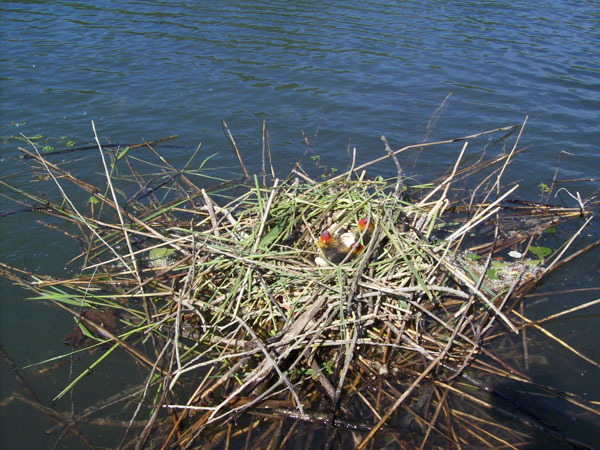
(245, 339)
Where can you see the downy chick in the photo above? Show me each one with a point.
(365, 230)
(335, 248)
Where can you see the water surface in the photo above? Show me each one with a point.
(343, 74)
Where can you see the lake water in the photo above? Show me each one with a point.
(343, 74)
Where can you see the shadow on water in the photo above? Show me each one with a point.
(545, 416)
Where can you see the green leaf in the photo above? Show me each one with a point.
(327, 368)
(551, 230)
(63, 298)
(271, 235)
(160, 252)
(122, 153)
(491, 274)
(473, 256)
(93, 200)
(70, 143)
(47, 148)
(85, 331)
(498, 265)
(540, 252)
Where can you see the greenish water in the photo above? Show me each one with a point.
(343, 74)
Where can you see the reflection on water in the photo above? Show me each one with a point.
(342, 74)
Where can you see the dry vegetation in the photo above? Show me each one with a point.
(246, 341)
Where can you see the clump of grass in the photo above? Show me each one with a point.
(243, 326)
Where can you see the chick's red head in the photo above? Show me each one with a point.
(325, 237)
(365, 222)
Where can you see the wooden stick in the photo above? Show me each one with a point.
(428, 144)
(235, 147)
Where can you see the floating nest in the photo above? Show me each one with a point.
(247, 339)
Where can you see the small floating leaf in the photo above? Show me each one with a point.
(161, 252)
(47, 148)
(473, 256)
(93, 200)
(540, 252)
(70, 143)
(533, 262)
(491, 274)
(498, 265)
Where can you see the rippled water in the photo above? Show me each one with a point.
(340, 73)
(153, 69)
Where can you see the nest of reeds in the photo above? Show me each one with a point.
(247, 328)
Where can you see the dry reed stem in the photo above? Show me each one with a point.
(556, 339)
(427, 144)
(562, 313)
(243, 302)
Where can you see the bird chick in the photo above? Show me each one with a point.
(335, 248)
(365, 229)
